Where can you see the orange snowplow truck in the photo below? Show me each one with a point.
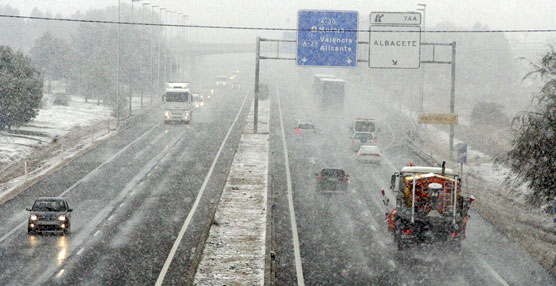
(430, 206)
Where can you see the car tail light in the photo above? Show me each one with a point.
(297, 130)
(407, 231)
(320, 177)
(345, 179)
(352, 141)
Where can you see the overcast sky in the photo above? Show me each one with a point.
(497, 14)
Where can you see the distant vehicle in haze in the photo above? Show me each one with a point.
(197, 99)
(304, 127)
(369, 154)
(235, 85)
(360, 138)
(329, 92)
(364, 125)
(178, 104)
(221, 80)
(331, 180)
(178, 85)
(49, 214)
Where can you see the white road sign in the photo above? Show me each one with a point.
(395, 18)
(395, 47)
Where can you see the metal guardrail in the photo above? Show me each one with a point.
(428, 158)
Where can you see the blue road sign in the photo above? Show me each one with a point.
(327, 38)
(462, 152)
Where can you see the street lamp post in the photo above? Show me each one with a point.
(184, 58)
(160, 49)
(422, 91)
(118, 71)
(131, 63)
(151, 48)
(142, 71)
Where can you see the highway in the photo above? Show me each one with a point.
(131, 196)
(139, 217)
(343, 239)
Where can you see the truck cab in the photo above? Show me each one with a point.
(177, 105)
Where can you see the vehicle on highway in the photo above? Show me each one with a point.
(178, 104)
(221, 80)
(362, 138)
(332, 180)
(235, 85)
(364, 125)
(329, 93)
(369, 154)
(197, 100)
(49, 214)
(178, 84)
(304, 127)
(430, 206)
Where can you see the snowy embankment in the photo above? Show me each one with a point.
(56, 134)
(234, 253)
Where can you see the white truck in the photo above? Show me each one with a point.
(178, 104)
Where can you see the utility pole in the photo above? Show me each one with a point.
(142, 71)
(160, 49)
(422, 69)
(453, 98)
(151, 48)
(131, 63)
(118, 72)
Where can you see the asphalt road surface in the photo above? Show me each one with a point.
(130, 197)
(343, 238)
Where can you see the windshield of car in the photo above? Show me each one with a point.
(365, 126)
(337, 173)
(306, 126)
(49, 206)
(177, 96)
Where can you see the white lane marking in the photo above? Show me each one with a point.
(155, 140)
(373, 227)
(86, 177)
(185, 225)
(60, 273)
(297, 252)
(96, 233)
(392, 263)
(122, 205)
(111, 217)
(80, 251)
(494, 273)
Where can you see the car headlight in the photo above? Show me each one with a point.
(202, 103)
(196, 105)
(186, 115)
(167, 114)
(62, 217)
(34, 217)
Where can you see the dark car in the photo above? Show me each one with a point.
(49, 214)
(332, 181)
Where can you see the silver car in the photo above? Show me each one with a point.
(359, 139)
(49, 214)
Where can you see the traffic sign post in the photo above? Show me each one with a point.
(462, 152)
(327, 38)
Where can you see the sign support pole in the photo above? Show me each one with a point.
(452, 98)
(257, 68)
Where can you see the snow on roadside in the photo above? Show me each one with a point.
(51, 121)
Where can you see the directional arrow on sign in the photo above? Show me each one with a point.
(394, 62)
(304, 59)
(349, 61)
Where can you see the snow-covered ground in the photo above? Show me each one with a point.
(52, 120)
